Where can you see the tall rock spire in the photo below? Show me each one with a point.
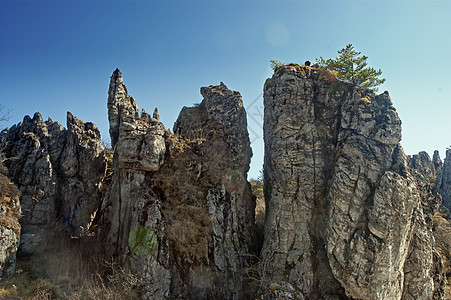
(121, 107)
(443, 183)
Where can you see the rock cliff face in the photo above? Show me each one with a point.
(345, 218)
(443, 183)
(9, 223)
(187, 192)
(58, 172)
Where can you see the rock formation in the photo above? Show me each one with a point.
(437, 161)
(58, 172)
(187, 192)
(345, 218)
(9, 223)
(443, 183)
(425, 166)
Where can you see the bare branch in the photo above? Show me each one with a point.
(5, 114)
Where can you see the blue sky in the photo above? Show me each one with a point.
(57, 56)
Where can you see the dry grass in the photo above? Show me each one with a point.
(183, 186)
(183, 182)
(25, 284)
(364, 99)
(9, 194)
(190, 233)
(30, 283)
(328, 76)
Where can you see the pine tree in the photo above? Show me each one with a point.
(351, 66)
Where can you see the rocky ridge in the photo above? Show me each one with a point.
(58, 172)
(347, 217)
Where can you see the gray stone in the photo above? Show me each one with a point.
(424, 165)
(58, 172)
(9, 223)
(443, 183)
(139, 140)
(190, 189)
(345, 218)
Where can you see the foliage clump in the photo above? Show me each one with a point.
(142, 240)
(351, 66)
(275, 64)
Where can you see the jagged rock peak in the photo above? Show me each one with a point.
(213, 92)
(58, 172)
(345, 218)
(88, 129)
(116, 77)
(140, 138)
(422, 163)
(437, 161)
(443, 183)
(156, 115)
(121, 107)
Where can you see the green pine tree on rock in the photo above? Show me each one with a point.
(351, 66)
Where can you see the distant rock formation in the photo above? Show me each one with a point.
(437, 161)
(9, 223)
(345, 218)
(58, 172)
(425, 166)
(443, 183)
(188, 190)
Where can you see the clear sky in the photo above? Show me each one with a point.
(57, 56)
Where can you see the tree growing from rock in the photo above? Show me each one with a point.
(276, 64)
(351, 66)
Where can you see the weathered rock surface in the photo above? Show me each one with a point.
(9, 223)
(345, 218)
(443, 183)
(442, 235)
(138, 141)
(428, 168)
(438, 164)
(189, 189)
(58, 172)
